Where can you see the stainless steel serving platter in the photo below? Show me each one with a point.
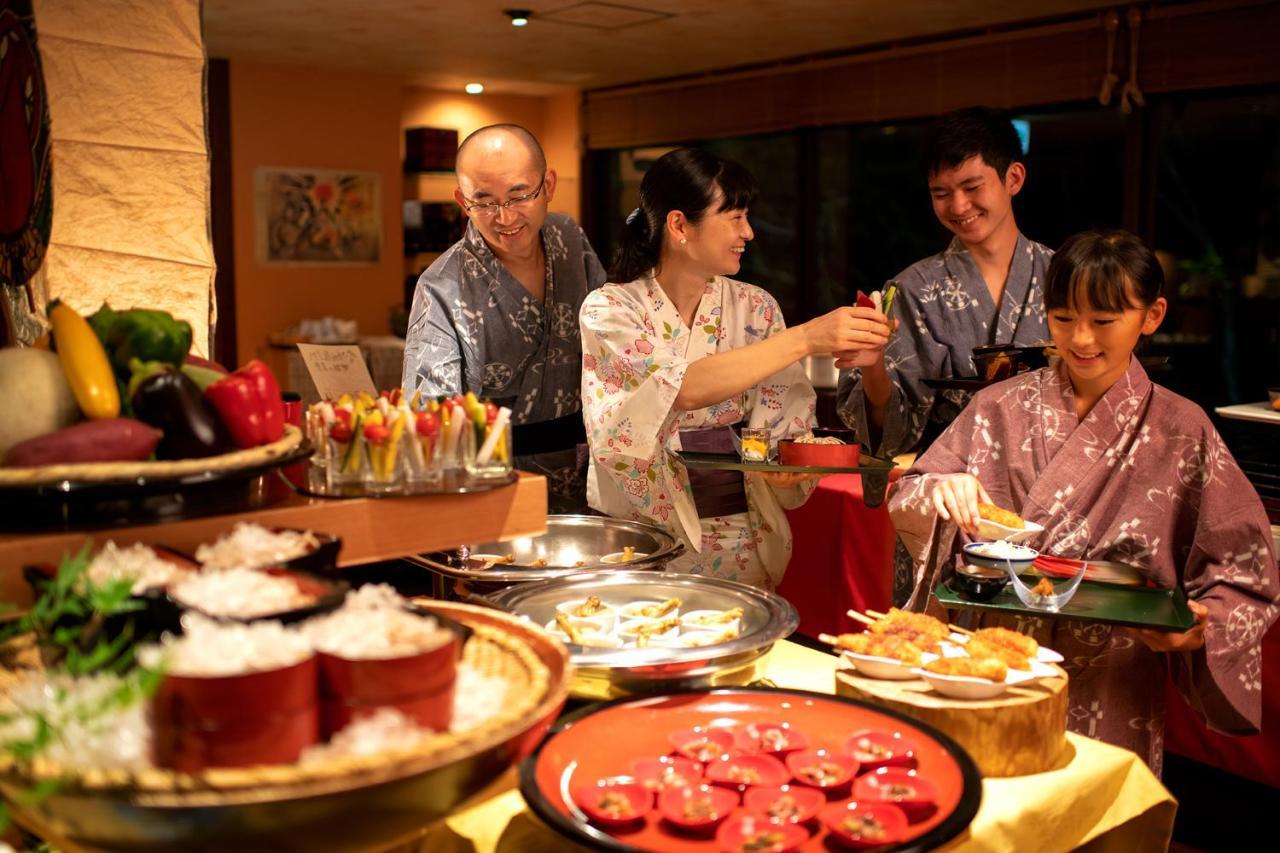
(606, 673)
(572, 544)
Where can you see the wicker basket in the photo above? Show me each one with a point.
(344, 803)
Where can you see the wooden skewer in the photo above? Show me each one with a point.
(829, 640)
(960, 630)
(876, 613)
(865, 620)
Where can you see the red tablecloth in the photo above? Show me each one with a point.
(1256, 757)
(843, 557)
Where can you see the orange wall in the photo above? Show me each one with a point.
(554, 120)
(327, 119)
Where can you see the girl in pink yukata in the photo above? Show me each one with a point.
(1115, 468)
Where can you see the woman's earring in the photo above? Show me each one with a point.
(684, 241)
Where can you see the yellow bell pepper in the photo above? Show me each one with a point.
(85, 363)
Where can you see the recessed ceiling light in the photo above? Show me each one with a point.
(519, 17)
(474, 88)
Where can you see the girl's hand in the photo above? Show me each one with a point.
(1187, 641)
(956, 498)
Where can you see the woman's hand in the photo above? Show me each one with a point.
(956, 498)
(1187, 641)
(785, 480)
(847, 332)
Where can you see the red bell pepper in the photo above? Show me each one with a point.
(864, 301)
(248, 401)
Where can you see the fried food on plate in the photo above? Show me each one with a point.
(1005, 517)
(988, 668)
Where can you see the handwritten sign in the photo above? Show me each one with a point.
(337, 370)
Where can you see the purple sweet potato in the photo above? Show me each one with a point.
(109, 440)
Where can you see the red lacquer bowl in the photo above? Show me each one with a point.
(785, 803)
(235, 720)
(791, 452)
(748, 833)
(865, 825)
(702, 744)
(908, 790)
(769, 738)
(420, 686)
(821, 768)
(876, 748)
(610, 740)
(659, 774)
(610, 803)
(742, 771)
(697, 807)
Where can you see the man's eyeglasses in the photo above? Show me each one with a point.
(488, 209)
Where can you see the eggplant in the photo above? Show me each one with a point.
(170, 401)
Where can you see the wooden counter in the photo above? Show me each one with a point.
(372, 529)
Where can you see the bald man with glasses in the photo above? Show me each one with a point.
(497, 314)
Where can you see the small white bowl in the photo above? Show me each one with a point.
(1000, 555)
(689, 622)
(592, 638)
(955, 648)
(603, 621)
(631, 610)
(627, 630)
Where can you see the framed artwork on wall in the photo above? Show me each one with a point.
(317, 216)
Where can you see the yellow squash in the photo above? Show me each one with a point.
(84, 361)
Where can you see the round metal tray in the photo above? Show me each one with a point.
(607, 673)
(569, 540)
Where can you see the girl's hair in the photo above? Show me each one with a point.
(687, 180)
(1103, 270)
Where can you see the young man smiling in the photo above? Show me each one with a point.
(497, 313)
(985, 288)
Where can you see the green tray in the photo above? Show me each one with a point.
(1157, 609)
(874, 470)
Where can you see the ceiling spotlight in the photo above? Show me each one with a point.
(519, 17)
(474, 88)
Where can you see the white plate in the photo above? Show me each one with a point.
(959, 687)
(956, 649)
(887, 669)
(988, 529)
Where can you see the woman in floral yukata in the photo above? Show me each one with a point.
(675, 353)
(1115, 468)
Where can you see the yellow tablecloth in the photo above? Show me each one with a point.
(1105, 799)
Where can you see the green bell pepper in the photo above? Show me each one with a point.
(142, 334)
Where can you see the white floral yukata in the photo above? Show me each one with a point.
(1143, 479)
(636, 349)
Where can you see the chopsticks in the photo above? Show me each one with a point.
(878, 615)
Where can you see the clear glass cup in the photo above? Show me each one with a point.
(489, 455)
(347, 462)
(755, 444)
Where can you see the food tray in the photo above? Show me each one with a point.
(569, 540)
(360, 803)
(111, 494)
(874, 471)
(608, 673)
(451, 483)
(1107, 604)
(585, 746)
